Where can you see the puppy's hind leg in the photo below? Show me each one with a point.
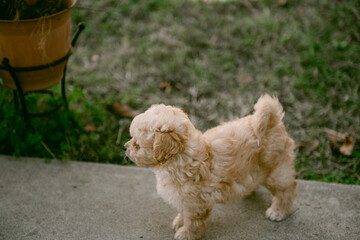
(281, 183)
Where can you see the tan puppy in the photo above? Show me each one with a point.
(194, 170)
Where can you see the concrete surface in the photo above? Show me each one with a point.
(77, 200)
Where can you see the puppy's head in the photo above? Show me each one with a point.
(158, 135)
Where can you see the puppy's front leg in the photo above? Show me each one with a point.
(194, 224)
(178, 221)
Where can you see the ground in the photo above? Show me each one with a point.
(213, 59)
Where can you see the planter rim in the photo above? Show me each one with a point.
(37, 19)
(39, 68)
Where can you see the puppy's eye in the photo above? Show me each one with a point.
(136, 145)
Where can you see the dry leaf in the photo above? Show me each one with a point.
(335, 138)
(166, 86)
(348, 146)
(340, 142)
(312, 146)
(31, 2)
(308, 147)
(95, 58)
(122, 110)
(89, 128)
(245, 78)
(281, 3)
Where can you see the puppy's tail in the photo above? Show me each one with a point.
(268, 114)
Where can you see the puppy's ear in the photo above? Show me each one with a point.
(167, 144)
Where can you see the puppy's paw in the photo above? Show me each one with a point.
(275, 215)
(178, 222)
(185, 234)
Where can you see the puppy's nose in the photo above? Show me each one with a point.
(124, 148)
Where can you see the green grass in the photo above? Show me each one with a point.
(219, 58)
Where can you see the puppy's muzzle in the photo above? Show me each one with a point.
(126, 157)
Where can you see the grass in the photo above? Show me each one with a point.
(218, 57)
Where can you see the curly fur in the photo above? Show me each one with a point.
(194, 170)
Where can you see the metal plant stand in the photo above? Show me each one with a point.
(19, 93)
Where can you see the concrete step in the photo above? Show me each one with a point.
(78, 200)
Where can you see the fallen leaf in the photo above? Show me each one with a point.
(308, 147)
(281, 3)
(122, 110)
(340, 142)
(245, 78)
(312, 146)
(89, 128)
(335, 138)
(31, 2)
(95, 58)
(166, 86)
(348, 146)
